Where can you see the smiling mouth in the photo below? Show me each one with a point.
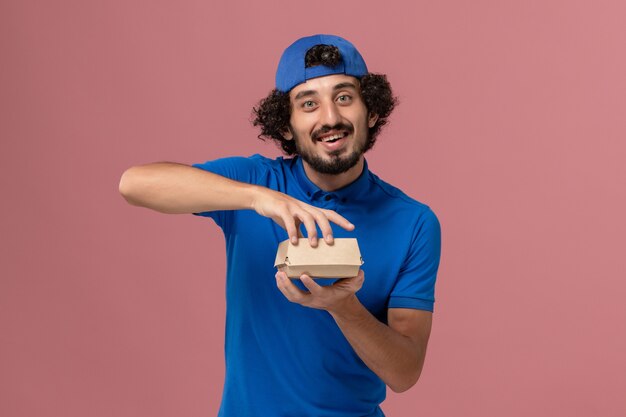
(333, 138)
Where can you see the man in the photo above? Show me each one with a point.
(312, 347)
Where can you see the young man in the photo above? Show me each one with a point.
(305, 347)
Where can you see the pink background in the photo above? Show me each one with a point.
(511, 126)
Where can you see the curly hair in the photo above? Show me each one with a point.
(273, 112)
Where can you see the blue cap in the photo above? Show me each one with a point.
(291, 70)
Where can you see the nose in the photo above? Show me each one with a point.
(330, 114)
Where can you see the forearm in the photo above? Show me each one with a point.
(395, 358)
(175, 188)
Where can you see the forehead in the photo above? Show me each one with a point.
(324, 85)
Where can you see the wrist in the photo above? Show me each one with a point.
(253, 193)
(348, 309)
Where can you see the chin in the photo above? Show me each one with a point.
(334, 165)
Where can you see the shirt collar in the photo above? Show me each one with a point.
(350, 191)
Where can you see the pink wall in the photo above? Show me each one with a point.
(511, 126)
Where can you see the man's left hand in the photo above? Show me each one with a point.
(330, 298)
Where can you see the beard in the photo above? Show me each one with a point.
(337, 164)
(334, 166)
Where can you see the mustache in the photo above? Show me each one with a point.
(325, 129)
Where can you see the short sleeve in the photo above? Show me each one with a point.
(248, 170)
(415, 284)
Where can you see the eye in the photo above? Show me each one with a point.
(309, 104)
(344, 98)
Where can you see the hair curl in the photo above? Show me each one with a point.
(273, 112)
(327, 55)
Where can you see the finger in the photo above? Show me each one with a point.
(309, 224)
(310, 284)
(359, 278)
(360, 275)
(352, 282)
(291, 228)
(281, 275)
(324, 224)
(289, 290)
(338, 219)
(298, 224)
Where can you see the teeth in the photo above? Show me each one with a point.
(332, 138)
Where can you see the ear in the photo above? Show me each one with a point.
(372, 119)
(286, 132)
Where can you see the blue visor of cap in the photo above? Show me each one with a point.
(291, 69)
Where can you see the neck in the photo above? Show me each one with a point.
(328, 182)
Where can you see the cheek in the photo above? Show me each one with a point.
(302, 124)
(361, 122)
(358, 116)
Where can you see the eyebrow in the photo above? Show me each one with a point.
(305, 93)
(346, 84)
(339, 86)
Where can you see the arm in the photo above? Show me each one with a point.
(174, 188)
(395, 352)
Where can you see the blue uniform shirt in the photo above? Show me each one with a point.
(283, 359)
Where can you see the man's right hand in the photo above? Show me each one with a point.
(291, 213)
